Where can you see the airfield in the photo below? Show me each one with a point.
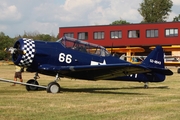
(90, 100)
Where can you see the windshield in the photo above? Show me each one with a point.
(83, 46)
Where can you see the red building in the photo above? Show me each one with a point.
(143, 35)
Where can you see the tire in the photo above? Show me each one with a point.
(32, 88)
(178, 70)
(53, 87)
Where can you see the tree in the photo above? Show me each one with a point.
(5, 41)
(155, 10)
(119, 22)
(176, 19)
(37, 36)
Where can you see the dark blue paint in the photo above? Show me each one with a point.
(46, 61)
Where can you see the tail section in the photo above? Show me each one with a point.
(155, 58)
(155, 62)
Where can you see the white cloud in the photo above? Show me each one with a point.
(176, 2)
(115, 11)
(9, 12)
(77, 10)
(79, 5)
(171, 16)
(3, 27)
(45, 28)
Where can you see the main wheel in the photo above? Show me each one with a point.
(32, 88)
(53, 87)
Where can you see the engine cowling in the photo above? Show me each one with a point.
(25, 52)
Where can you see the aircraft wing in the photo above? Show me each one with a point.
(96, 72)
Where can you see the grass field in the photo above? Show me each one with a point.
(88, 100)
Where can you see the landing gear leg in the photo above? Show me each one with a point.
(57, 78)
(36, 76)
(146, 85)
(54, 87)
(33, 81)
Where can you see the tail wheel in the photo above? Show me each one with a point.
(32, 88)
(53, 87)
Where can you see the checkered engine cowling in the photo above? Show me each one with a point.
(29, 50)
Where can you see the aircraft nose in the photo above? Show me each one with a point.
(25, 52)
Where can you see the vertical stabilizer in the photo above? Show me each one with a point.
(155, 59)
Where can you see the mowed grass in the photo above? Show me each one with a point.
(90, 100)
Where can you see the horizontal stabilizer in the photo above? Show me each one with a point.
(162, 71)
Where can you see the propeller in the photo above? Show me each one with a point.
(14, 51)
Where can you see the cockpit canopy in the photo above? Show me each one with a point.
(83, 46)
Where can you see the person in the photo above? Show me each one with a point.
(18, 74)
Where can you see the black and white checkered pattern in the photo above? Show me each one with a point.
(29, 50)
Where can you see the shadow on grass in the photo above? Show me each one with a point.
(106, 90)
(98, 90)
(158, 87)
(94, 90)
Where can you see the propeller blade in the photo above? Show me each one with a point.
(14, 51)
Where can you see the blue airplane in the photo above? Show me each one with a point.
(73, 58)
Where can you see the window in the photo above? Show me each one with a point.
(98, 35)
(134, 34)
(69, 35)
(116, 34)
(171, 32)
(66, 43)
(151, 33)
(83, 35)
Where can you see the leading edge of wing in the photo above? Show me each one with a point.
(102, 71)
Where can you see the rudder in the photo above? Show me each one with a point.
(155, 59)
(155, 62)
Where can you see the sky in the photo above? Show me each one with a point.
(46, 16)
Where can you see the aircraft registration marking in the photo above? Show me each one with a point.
(155, 61)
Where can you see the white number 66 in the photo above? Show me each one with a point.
(65, 58)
